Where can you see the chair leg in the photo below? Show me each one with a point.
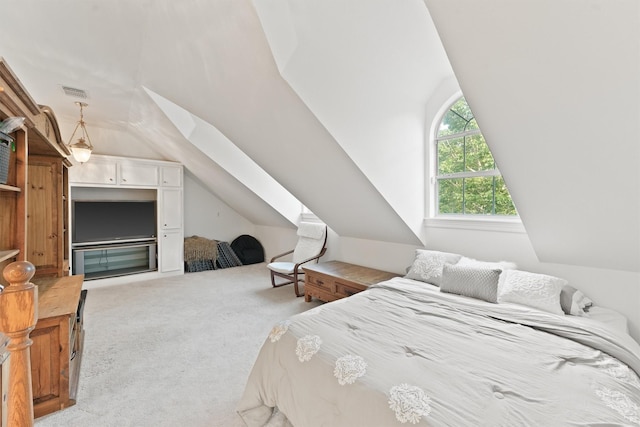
(295, 285)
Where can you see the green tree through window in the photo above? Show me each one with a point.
(468, 181)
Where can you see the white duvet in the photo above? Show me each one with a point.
(405, 353)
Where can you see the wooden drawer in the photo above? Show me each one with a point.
(321, 282)
(328, 288)
(346, 289)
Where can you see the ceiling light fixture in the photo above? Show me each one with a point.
(82, 148)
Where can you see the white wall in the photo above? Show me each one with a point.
(613, 289)
(207, 216)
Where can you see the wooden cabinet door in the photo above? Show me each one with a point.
(44, 215)
(49, 365)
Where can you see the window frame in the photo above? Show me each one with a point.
(503, 223)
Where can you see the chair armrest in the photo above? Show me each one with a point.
(295, 268)
(281, 255)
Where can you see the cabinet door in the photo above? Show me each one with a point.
(45, 215)
(171, 209)
(172, 176)
(171, 251)
(49, 355)
(96, 171)
(138, 174)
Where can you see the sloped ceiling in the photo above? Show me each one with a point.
(555, 88)
(211, 59)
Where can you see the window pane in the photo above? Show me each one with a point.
(478, 195)
(451, 156)
(478, 156)
(461, 108)
(504, 205)
(456, 119)
(450, 193)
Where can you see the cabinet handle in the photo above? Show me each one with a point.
(111, 179)
(124, 180)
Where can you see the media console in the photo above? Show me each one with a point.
(98, 261)
(135, 186)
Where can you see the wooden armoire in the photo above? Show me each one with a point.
(40, 313)
(33, 208)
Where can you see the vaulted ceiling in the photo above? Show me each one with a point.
(327, 102)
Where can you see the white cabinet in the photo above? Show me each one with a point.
(171, 208)
(171, 251)
(112, 177)
(95, 171)
(171, 176)
(141, 174)
(171, 230)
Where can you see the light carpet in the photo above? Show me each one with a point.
(174, 351)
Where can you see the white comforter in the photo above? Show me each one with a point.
(405, 353)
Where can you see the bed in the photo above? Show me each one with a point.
(463, 352)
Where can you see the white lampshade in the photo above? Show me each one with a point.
(81, 150)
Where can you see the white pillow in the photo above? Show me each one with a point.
(502, 265)
(427, 265)
(531, 289)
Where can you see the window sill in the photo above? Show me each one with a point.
(505, 225)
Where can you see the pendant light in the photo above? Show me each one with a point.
(82, 148)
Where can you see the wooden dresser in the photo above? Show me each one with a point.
(332, 280)
(57, 343)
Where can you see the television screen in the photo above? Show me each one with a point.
(97, 221)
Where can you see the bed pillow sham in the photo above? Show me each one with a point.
(531, 289)
(427, 265)
(475, 282)
(502, 265)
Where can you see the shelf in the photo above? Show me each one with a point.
(117, 272)
(104, 261)
(4, 187)
(9, 253)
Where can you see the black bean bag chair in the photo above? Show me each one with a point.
(248, 249)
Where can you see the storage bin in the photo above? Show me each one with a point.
(5, 155)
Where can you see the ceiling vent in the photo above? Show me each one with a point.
(75, 92)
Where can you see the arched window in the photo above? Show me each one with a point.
(467, 180)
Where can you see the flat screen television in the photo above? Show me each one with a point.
(108, 220)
